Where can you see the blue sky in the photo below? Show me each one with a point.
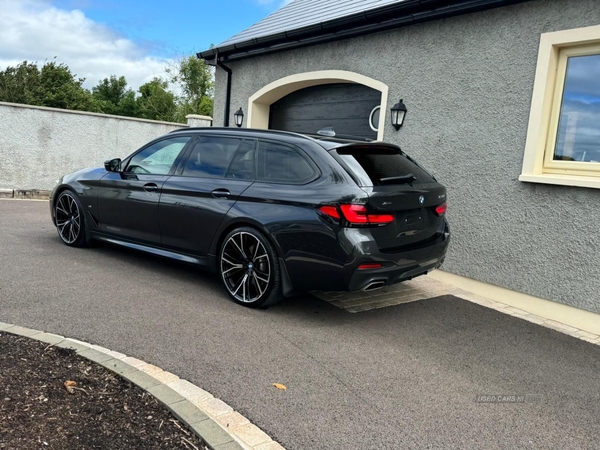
(178, 26)
(98, 38)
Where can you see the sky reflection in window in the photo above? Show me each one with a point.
(578, 137)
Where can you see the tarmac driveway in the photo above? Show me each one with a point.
(401, 377)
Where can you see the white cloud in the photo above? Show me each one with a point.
(34, 30)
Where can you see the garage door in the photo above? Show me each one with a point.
(351, 109)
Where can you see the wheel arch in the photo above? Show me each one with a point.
(56, 195)
(242, 222)
(59, 190)
(287, 287)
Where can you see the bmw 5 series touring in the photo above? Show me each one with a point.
(272, 213)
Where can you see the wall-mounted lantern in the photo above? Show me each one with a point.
(239, 117)
(398, 114)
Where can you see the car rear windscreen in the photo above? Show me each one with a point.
(374, 166)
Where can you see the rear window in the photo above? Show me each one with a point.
(374, 166)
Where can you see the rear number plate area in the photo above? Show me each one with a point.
(410, 223)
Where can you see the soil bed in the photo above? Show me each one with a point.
(103, 411)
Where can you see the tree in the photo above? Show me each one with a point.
(18, 84)
(54, 86)
(60, 89)
(196, 83)
(156, 102)
(114, 97)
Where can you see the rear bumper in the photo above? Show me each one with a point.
(404, 265)
(331, 262)
(400, 267)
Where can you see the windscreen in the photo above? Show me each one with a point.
(374, 166)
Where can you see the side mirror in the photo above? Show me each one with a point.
(113, 165)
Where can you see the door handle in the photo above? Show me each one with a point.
(221, 193)
(150, 187)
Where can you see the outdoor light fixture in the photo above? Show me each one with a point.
(398, 114)
(239, 117)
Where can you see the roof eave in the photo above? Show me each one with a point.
(405, 13)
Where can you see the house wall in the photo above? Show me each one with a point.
(467, 82)
(38, 145)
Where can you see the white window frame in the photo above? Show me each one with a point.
(538, 163)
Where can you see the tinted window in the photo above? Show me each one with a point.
(279, 163)
(158, 158)
(210, 157)
(242, 165)
(372, 166)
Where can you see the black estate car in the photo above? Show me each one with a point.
(271, 212)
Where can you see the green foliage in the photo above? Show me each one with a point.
(19, 84)
(114, 97)
(196, 83)
(59, 89)
(54, 85)
(156, 102)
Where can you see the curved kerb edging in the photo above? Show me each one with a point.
(215, 422)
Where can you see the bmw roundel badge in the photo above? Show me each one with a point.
(421, 200)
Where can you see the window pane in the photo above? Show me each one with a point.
(282, 164)
(578, 137)
(210, 157)
(370, 165)
(242, 166)
(158, 158)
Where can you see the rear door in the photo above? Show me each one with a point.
(398, 185)
(209, 180)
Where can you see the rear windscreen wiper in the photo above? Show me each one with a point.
(409, 178)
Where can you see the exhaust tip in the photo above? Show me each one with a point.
(374, 285)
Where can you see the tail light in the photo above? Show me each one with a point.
(367, 266)
(357, 215)
(330, 211)
(440, 210)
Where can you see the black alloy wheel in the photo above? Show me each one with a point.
(249, 269)
(70, 222)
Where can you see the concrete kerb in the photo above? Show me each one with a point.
(6, 193)
(215, 422)
(24, 194)
(504, 308)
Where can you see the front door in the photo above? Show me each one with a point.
(128, 200)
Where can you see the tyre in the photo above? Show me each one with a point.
(249, 268)
(70, 220)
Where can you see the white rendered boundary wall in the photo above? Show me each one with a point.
(38, 145)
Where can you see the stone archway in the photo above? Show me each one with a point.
(260, 102)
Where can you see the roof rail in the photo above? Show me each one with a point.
(234, 130)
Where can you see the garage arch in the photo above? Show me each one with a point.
(260, 102)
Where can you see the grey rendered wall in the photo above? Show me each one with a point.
(467, 82)
(39, 145)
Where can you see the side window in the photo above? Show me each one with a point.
(279, 163)
(242, 165)
(210, 157)
(158, 158)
